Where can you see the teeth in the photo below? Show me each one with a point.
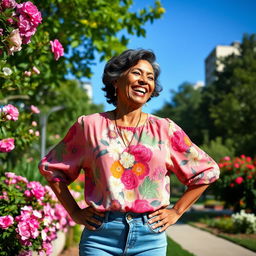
(140, 89)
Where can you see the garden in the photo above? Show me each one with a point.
(36, 57)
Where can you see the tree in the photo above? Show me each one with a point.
(230, 100)
(183, 109)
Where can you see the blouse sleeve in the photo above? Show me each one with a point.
(64, 161)
(189, 163)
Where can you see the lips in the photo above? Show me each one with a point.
(139, 89)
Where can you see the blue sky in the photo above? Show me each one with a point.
(182, 39)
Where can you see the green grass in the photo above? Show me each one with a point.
(174, 249)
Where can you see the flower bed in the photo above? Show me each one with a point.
(30, 217)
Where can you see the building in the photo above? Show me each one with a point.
(87, 86)
(213, 63)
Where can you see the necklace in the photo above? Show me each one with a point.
(120, 133)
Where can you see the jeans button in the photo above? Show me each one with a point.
(129, 217)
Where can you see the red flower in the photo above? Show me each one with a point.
(239, 180)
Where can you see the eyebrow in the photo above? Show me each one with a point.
(148, 73)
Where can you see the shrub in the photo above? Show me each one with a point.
(30, 216)
(244, 222)
(237, 183)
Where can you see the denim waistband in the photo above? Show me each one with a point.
(125, 216)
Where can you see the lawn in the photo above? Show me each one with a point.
(174, 249)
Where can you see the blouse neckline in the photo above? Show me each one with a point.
(105, 115)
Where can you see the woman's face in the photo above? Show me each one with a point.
(136, 85)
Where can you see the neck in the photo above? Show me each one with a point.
(128, 117)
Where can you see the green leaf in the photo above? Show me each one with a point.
(148, 140)
(148, 189)
(183, 162)
(101, 153)
(155, 203)
(104, 142)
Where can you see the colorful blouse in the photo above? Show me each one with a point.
(134, 178)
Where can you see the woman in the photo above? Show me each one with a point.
(127, 156)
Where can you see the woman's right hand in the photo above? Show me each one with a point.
(87, 215)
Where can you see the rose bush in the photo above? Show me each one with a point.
(237, 183)
(30, 216)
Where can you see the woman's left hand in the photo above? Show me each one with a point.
(163, 218)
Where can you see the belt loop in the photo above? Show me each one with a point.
(145, 218)
(106, 216)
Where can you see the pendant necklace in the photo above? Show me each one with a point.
(120, 132)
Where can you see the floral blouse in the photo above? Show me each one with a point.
(134, 178)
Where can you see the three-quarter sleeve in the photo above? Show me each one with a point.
(189, 163)
(64, 161)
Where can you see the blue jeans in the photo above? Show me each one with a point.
(123, 234)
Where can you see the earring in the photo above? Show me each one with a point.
(115, 92)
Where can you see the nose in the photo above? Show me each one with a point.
(143, 80)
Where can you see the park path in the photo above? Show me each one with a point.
(202, 243)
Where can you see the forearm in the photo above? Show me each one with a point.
(62, 192)
(190, 196)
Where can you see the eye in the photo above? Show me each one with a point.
(136, 72)
(151, 78)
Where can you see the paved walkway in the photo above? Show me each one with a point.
(202, 243)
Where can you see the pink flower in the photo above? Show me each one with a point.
(158, 173)
(29, 10)
(8, 4)
(48, 248)
(31, 131)
(239, 180)
(180, 141)
(129, 179)
(226, 158)
(15, 42)
(36, 189)
(25, 253)
(236, 165)
(1, 31)
(36, 70)
(6, 221)
(27, 73)
(57, 49)
(34, 109)
(37, 133)
(7, 145)
(142, 206)
(34, 123)
(140, 152)
(10, 112)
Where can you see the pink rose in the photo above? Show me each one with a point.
(27, 73)
(48, 248)
(239, 180)
(57, 49)
(140, 152)
(30, 10)
(36, 70)
(37, 133)
(1, 31)
(10, 112)
(129, 179)
(25, 253)
(7, 145)
(226, 158)
(27, 29)
(180, 141)
(36, 189)
(8, 4)
(236, 165)
(142, 206)
(6, 221)
(34, 109)
(15, 42)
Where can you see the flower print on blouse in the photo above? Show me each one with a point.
(133, 178)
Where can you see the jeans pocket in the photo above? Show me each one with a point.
(151, 229)
(96, 226)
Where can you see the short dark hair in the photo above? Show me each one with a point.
(117, 65)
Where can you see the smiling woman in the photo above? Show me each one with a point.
(127, 156)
